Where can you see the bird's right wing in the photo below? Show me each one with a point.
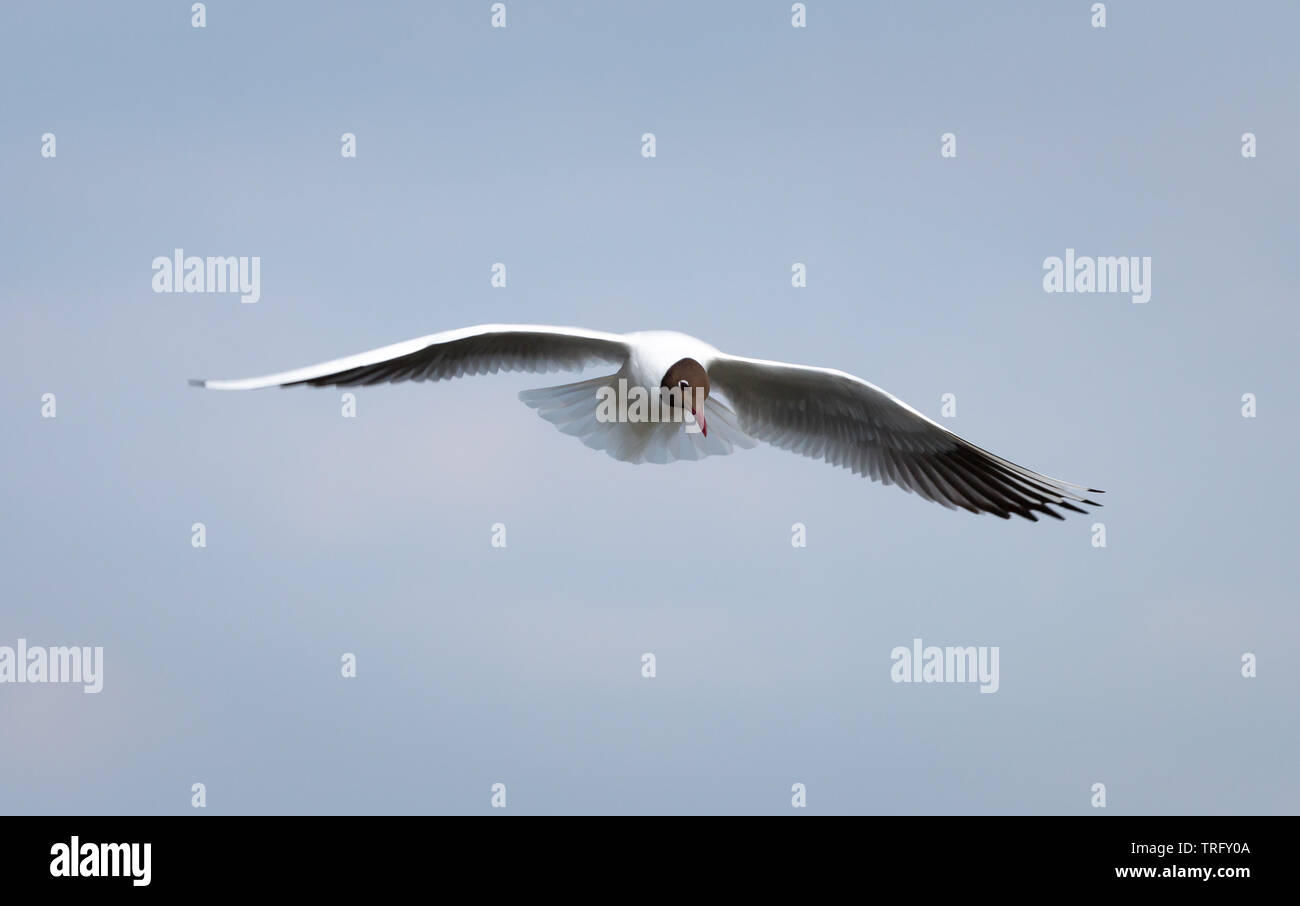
(486, 349)
(844, 420)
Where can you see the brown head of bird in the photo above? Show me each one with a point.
(687, 386)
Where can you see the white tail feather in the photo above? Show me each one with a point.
(572, 409)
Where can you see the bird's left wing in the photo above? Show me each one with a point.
(486, 349)
(844, 420)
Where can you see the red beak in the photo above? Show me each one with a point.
(704, 426)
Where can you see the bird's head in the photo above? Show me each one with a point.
(687, 384)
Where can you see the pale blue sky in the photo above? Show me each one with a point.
(522, 665)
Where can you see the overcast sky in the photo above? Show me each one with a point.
(522, 665)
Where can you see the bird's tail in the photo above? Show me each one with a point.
(573, 408)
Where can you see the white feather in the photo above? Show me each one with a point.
(818, 412)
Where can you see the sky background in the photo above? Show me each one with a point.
(522, 665)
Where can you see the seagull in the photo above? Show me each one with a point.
(821, 413)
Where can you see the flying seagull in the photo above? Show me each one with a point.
(818, 412)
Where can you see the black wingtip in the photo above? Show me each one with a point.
(195, 382)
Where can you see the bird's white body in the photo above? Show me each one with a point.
(818, 412)
(652, 352)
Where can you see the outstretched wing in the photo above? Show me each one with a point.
(844, 420)
(486, 349)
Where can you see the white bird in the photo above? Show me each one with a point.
(818, 412)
